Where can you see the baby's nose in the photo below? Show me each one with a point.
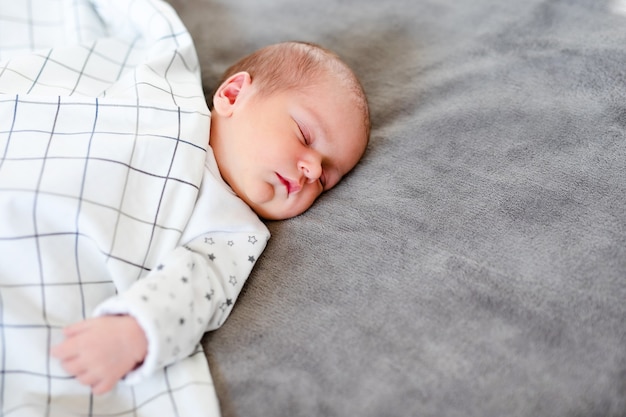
(312, 169)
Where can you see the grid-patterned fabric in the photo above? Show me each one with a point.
(103, 132)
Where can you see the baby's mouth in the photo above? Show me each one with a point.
(292, 187)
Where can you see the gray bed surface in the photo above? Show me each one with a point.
(474, 263)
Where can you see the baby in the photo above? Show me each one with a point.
(287, 123)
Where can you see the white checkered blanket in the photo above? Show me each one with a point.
(103, 126)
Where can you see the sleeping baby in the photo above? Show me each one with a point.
(288, 122)
(132, 215)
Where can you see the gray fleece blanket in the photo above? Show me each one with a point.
(474, 263)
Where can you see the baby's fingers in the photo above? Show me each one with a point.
(89, 379)
(93, 376)
(99, 380)
(76, 328)
(103, 386)
(64, 351)
(73, 366)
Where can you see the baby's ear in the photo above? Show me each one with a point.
(227, 95)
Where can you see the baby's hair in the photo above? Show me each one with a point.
(295, 65)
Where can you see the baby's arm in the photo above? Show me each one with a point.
(190, 292)
(100, 351)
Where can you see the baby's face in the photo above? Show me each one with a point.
(280, 152)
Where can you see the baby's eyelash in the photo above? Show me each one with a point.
(304, 137)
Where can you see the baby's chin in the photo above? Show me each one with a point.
(270, 205)
(270, 212)
(277, 210)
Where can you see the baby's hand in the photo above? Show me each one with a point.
(100, 351)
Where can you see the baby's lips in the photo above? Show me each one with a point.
(292, 186)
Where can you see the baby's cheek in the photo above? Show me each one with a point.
(274, 206)
(259, 193)
(306, 200)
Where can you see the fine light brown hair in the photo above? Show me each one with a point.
(297, 65)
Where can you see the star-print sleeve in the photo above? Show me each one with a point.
(190, 292)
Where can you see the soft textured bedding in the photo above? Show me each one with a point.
(474, 264)
(103, 133)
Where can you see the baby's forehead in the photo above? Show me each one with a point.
(345, 80)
